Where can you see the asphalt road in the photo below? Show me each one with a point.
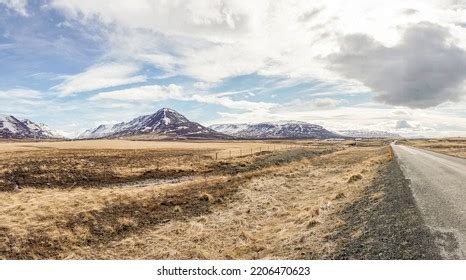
(438, 183)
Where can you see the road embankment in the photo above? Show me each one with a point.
(385, 223)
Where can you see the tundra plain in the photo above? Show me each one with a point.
(450, 146)
(115, 199)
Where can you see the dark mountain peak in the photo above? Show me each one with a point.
(165, 122)
(165, 109)
(168, 116)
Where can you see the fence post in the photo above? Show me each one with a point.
(216, 156)
(130, 160)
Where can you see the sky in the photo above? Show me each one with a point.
(397, 66)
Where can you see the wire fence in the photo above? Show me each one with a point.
(241, 152)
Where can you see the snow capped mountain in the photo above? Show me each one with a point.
(11, 127)
(230, 129)
(42, 130)
(100, 132)
(163, 123)
(368, 134)
(280, 129)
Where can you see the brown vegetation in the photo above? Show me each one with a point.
(87, 164)
(450, 146)
(273, 204)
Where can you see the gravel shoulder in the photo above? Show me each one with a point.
(385, 223)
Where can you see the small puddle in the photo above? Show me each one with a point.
(155, 182)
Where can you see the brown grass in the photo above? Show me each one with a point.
(99, 145)
(454, 147)
(278, 204)
(104, 162)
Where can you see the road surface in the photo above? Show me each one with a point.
(438, 183)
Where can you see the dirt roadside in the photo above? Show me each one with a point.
(385, 223)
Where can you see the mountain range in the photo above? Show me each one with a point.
(368, 134)
(276, 130)
(165, 123)
(169, 124)
(13, 128)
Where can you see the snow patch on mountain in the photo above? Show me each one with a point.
(361, 133)
(13, 128)
(278, 129)
(165, 122)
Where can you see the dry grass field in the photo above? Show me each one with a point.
(454, 146)
(105, 162)
(174, 200)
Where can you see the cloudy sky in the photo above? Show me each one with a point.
(395, 65)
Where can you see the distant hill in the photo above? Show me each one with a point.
(165, 123)
(368, 134)
(13, 128)
(276, 130)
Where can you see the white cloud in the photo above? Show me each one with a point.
(327, 102)
(212, 18)
(20, 93)
(100, 76)
(26, 103)
(202, 85)
(144, 93)
(158, 93)
(402, 124)
(233, 104)
(303, 104)
(211, 40)
(19, 6)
